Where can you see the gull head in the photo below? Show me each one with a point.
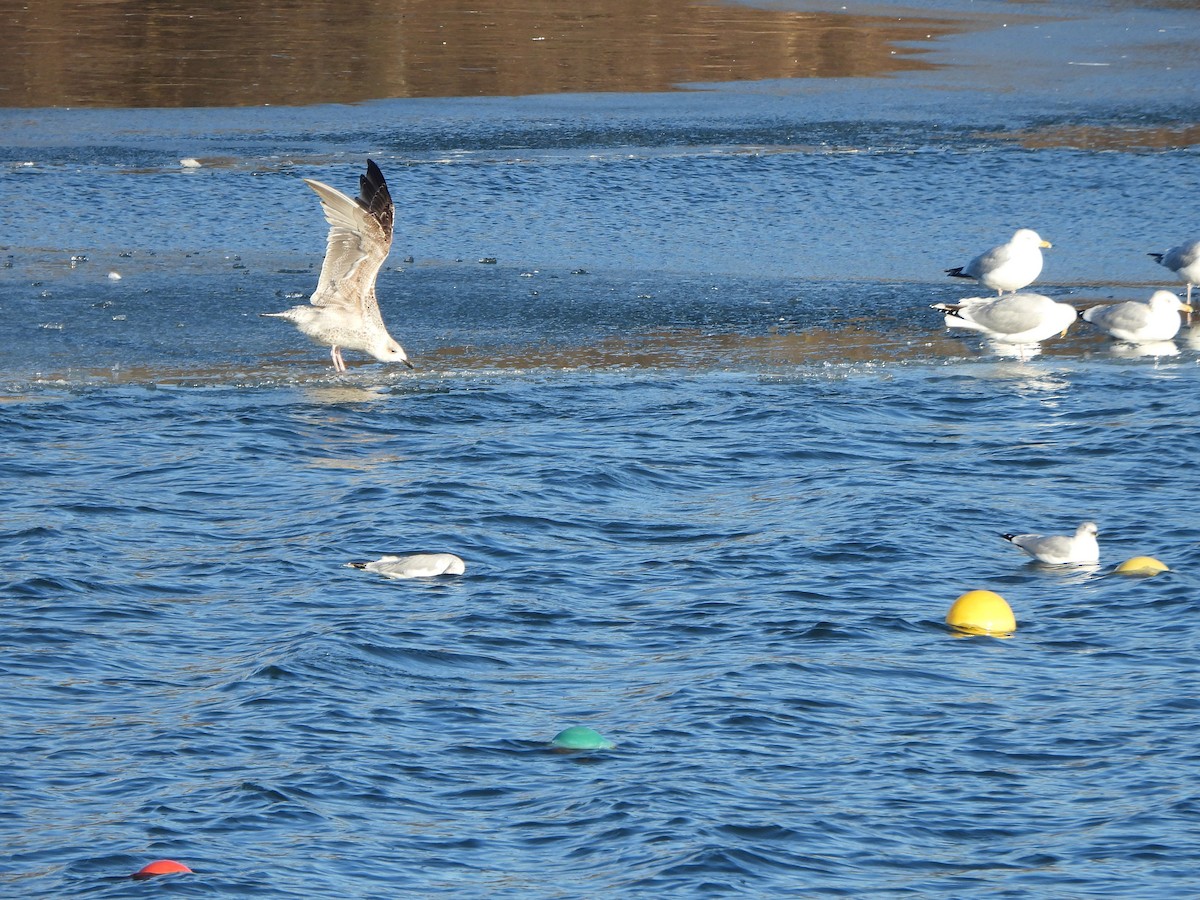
(1087, 529)
(1169, 301)
(389, 351)
(1029, 236)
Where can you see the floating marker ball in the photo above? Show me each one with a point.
(1142, 565)
(581, 738)
(161, 867)
(981, 612)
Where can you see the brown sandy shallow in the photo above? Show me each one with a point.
(775, 354)
(1112, 137)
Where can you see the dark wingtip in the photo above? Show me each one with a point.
(1008, 537)
(1157, 257)
(956, 272)
(375, 197)
(949, 309)
(355, 565)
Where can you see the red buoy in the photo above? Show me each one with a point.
(161, 867)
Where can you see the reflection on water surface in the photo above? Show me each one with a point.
(1121, 136)
(122, 53)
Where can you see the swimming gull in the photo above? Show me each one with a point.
(344, 312)
(1079, 549)
(1184, 261)
(1008, 267)
(416, 565)
(1139, 323)
(1013, 319)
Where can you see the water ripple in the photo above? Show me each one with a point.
(716, 489)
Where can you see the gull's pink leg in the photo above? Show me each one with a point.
(339, 364)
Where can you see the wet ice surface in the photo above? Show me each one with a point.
(774, 202)
(569, 220)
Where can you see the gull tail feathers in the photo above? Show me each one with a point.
(950, 309)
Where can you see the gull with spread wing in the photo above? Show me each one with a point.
(343, 311)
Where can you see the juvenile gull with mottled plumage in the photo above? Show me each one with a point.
(343, 311)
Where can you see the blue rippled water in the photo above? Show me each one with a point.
(738, 577)
(717, 471)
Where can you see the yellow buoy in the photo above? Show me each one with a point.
(1142, 565)
(982, 612)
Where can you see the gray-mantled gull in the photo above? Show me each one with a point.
(1013, 319)
(1058, 550)
(416, 565)
(1184, 261)
(1008, 267)
(343, 310)
(1140, 323)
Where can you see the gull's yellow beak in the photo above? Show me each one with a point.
(1185, 307)
(1046, 244)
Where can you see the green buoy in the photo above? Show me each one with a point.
(581, 738)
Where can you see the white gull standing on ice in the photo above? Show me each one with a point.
(344, 312)
(1184, 261)
(1007, 267)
